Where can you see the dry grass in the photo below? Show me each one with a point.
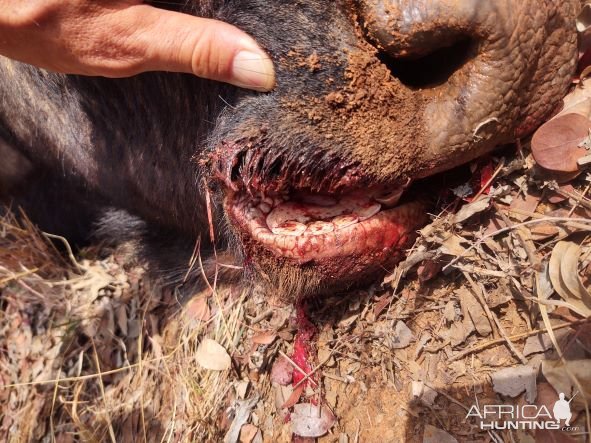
(91, 352)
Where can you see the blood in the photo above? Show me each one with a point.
(486, 173)
(303, 345)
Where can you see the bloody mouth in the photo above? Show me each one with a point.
(305, 227)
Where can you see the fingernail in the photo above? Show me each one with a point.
(253, 70)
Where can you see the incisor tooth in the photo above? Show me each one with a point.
(343, 221)
(254, 213)
(391, 198)
(289, 228)
(366, 212)
(319, 228)
(284, 213)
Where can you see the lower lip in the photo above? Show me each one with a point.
(386, 231)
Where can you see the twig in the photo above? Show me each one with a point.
(296, 366)
(322, 363)
(516, 337)
(259, 318)
(583, 224)
(17, 276)
(579, 200)
(68, 249)
(490, 180)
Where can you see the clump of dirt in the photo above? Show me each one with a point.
(368, 113)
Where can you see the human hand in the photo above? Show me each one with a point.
(120, 38)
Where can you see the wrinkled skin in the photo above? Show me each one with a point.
(371, 95)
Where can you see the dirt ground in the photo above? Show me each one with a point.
(92, 350)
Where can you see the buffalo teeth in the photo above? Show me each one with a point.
(319, 228)
(344, 221)
(391, 198)
(368, 211)
(254, 213)
(265, 208)
(285, 213)
(290, 228)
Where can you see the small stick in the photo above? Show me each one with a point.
(259, 318)
(521, 336)
(579, 200)
(296, 366)
(307, 376)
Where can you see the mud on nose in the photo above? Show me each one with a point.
(423, 42)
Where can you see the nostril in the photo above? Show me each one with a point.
(434, 67)
(424, 43)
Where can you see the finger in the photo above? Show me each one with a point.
(207, 48)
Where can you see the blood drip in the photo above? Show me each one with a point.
(303, 347)
(480, 178)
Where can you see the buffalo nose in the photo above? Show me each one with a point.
(424, 42)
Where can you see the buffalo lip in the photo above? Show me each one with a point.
(370, 229)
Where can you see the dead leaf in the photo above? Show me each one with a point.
(578, 101)
(241, 415)
(308, 421)
(470, 209)
(514, 380)
(198, 309)
(294, 397)
(248, 432)
(475, 312)
(402, 336)
(541, 342)
(452, 246)
(524, 203)
(381, 304)
(211, 355)
(557, 375)
(543, 231)
(423, 392)
(547, 397)
(565, 278)
(264, 338)
(449, 312)
(282, 372)
(555, 145)
(458, 332)
(556, 198)
(569, 271)
(241, 387)
(428, 269)
(436, 435)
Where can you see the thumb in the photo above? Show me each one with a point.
(208, 48)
